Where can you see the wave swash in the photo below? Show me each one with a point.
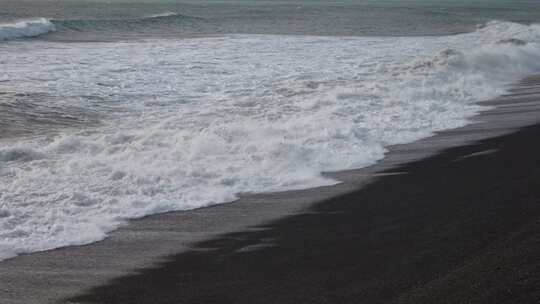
(193, 122)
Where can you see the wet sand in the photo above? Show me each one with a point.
(454, 218)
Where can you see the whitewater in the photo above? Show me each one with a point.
(25, 29)
(190, 123)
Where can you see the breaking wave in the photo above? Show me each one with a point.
(25, 29)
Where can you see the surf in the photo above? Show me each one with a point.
(196, 122)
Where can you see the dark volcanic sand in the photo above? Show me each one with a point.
(462, 226)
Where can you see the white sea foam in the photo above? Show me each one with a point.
(24, 29)
(200, 120)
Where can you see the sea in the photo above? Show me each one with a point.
(115, 110)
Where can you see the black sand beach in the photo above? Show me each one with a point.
(458, 227)
(461, 225)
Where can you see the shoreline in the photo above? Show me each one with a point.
(149, 254)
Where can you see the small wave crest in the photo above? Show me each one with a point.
(165, 14)
(129, 24)
(25, 29)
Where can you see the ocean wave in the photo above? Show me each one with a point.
(130, 24)
(39, 26)
(25, 29)
(207, 119)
